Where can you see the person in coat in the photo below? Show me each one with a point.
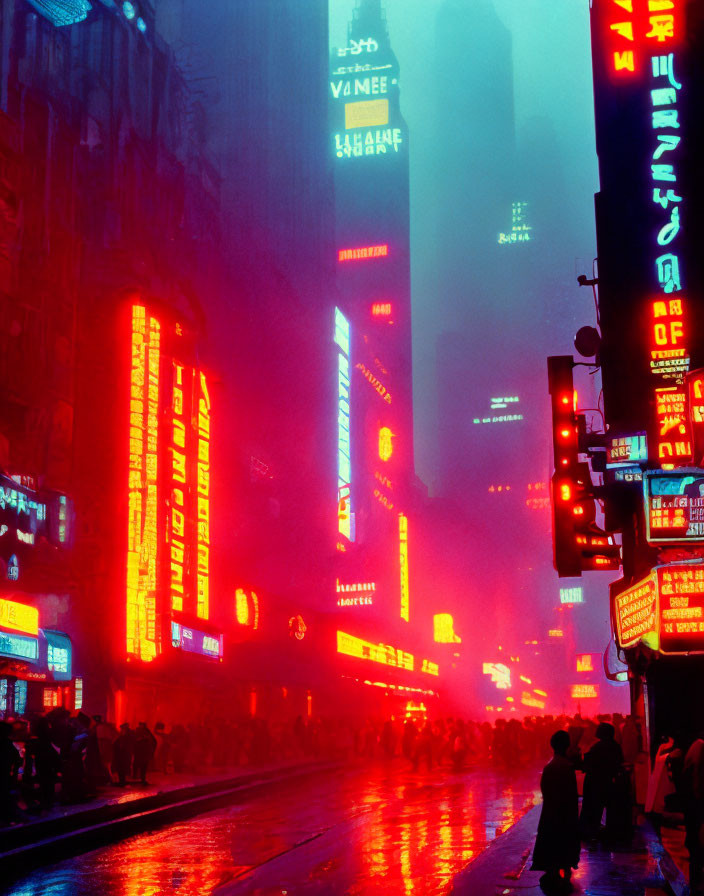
(603, 765)
(557, 845)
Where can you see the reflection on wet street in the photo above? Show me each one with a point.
(363, 831)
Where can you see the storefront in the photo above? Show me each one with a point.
(36, 665)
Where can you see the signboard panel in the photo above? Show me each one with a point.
(19, 617)
(674, 506)
(193, 641)
(626, 451)
(635, 612)
(681, 608)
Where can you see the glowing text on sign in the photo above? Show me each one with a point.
(203, 501)
(635, 612)
(403, 564)
(19, 617)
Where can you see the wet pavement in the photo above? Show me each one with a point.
(363, 831)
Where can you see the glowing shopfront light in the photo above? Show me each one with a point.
(19, 617)
(444, 629)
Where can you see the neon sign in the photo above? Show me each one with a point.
(247, 608)
(572, 595)
(375, 383)
(355, 594)
(635, 612)
(500, 675)
(624, 451)
(681, 605)
(193, 641)
(142, 636)
(19, 617)
(403, 565)
(203, 501)
(444, 629)
(363, 252)
(350, 645)
(344, 462)
(19, 647)
(177, 516)
(381, 309)
(386, 448)
(584, 691)
(527, 699)
(520, 230)
(585, 662)
(674, 507)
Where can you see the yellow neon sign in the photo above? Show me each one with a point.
(203, 480)
(142, 635)
(19, 617)
(403, 563)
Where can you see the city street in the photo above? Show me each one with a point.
(360, 832)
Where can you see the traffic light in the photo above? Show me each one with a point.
(579, 544)
(566, 556)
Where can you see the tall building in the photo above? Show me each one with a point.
(376, 496)
(105, 285)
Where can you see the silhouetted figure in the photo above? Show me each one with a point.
(603, 765)
(143, 748)
(41, 760)
(408, 740)
(557, 845)
(693, 793)
(10, 762)
(122, 753)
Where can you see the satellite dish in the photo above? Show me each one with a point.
(587, 341)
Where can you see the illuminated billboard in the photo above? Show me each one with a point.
(674, 506)
(584, 691)
(363, 252)
(363, 95)
(350, 645)
(520, 231)
(572, 595)
(624, 451)
(344, 453)
(635, 612)
(193, 641)
(586, 662)
(19, 617)
(168, 545)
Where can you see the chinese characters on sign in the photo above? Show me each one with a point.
(681, 608)
(674, 507)
(344, 461)
(635, 612)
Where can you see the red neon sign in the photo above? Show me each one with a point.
(381, 309)
(634, 29)
(584, 691)
(363, 252)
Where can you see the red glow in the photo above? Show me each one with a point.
(565, 491)
(584, 691)
(381, 309)
(362, 253)
(585, 662)
(636, 29)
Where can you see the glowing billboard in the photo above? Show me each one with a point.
(584, 691)
(444, 629)
(19, 617)
(674, 506)
(193, 641)
(350, 645)
(168, 547)
(585, 662)
(366, 114)
(572, 595)
(142, 540)
(635, 612)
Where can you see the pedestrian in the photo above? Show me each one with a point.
(10, 762)
(693, 787)
(163, 747)
(557, 845)
(43, 756)
(603, 764)
(143, 748)
(122, 753)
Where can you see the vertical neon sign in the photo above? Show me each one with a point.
(344, 461)
(177, 514)
(403, 565)
(203, 569)
(141, 630)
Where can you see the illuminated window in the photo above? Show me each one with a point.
(247, 608)
(20, 697)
